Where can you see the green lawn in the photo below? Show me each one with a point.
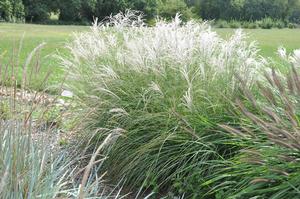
(270, 40)
(54, 36)
(57, 36)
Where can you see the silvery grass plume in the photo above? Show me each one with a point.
(293, 58)
(167, 87)
(192, 50)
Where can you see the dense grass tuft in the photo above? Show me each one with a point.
(269, 166)
(165, 89)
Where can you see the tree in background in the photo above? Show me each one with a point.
(70, 10)
(259, 9)
(148, 7)
(37, 10)
(18, 13)
(11, 10)
(5, 10)
(105, 8)
(209, 9)
(294, 11)
(88, 8)
(245, 9)
(169, 8)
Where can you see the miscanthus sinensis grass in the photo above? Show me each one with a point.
(165, 89)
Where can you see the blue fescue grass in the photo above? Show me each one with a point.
(32, 165)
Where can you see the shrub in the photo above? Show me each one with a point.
(245, 24)
(280, 24)
(221, 24)
(252, 25)
(292, 25)
(266, 23)
(165, 89)
(234, 24)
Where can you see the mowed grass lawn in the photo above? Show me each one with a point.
(56, 37)
(270, 39)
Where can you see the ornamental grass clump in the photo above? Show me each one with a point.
(269, 166)
(165, 89)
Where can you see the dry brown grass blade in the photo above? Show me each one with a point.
(271, 114)
(286, 158)
(296, 79)
(292, 117)
(246, 91)
(297, 146)
(277, 82)
(27, 62)
(290, 111)
(84, 168)
(38, 99)
(35, 70)
(260, 180)
(280, 131)
(252, 152)
(250, 97)
(280, 172)
(249, 131)
(268, 78)
(283, 143)
(5, 74)
(233, 131)
(261, 123)
(267, 93)
(291, 83)
(88, 169)
(253, 160)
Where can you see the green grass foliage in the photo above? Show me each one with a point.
(165, 89)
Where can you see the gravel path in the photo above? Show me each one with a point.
(18, 103)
